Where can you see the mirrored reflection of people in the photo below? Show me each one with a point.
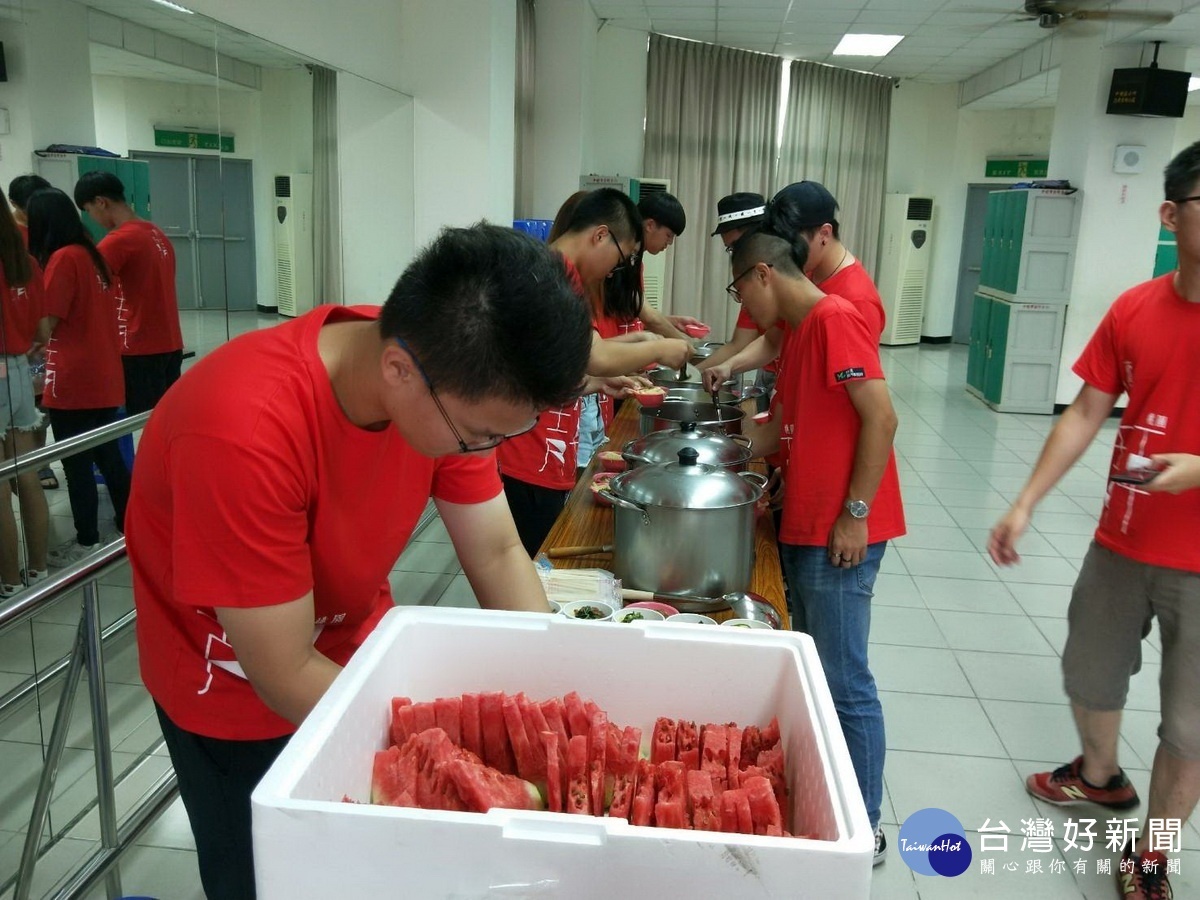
(600, 235)
(140, 256)
(663, 220)
(268, 511)
(1144, 561)
(20, 189)
(20, 311)
(85, 384)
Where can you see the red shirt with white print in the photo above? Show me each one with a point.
(819, 425)
(1146, 347)
(83, 357)
(254, 489)
(21, 310)
(142, 260)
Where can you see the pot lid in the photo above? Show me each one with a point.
(684, 484)
(713, 448)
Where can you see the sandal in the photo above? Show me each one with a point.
(48, 478)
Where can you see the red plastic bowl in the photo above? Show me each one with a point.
(650, 604)
(652, 396)
(612, 461)
(696, 331)
(600, 488)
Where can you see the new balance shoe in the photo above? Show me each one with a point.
(70, 553)
(880, 846)
(1143, 877)
(1065, 787)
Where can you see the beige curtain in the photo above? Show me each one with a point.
(523, 173)
(711, 119)
(836, 132)
(327, 231)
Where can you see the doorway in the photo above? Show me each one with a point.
(970, 261)
(205, 205)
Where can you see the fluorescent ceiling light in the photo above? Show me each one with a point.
(1194, 83)
(175, 6)
(861, 44)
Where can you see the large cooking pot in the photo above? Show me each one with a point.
(684, 528)
(713, 448)
(672, 412)
(664, 377)
(705, 349)
(697, 393)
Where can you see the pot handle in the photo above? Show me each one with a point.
(630, 456)
(629, 504)
(753, 477)
(741, 439)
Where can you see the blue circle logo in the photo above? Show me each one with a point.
(933, 842)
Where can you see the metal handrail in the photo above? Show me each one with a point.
(86, 441)
(30, 601)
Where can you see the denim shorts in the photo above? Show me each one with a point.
(17, 409)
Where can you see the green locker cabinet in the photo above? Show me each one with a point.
(63, 169)
(996, 351)
(977, 349)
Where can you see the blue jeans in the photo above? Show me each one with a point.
(833, 605)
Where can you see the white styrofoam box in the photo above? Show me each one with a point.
(307, 843)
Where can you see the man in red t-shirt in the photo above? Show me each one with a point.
(141, 258)
(1145, 560)
(736, 214)
(279, 481)
(841, 501)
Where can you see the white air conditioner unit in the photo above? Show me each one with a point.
(904, 255)
(293, 244)
(654, 268)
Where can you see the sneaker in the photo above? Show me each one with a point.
(9, 590)
(1143, 877)
(880, 846)
(1065, 787)
(70, 553)
(30, 577)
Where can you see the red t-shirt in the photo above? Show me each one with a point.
(1146, 346)
(83, 358)
(252, 488)
(819, 425)
(21, 312)
(854, 284)
(142, 259)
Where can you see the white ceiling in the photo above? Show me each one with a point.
(945, 40)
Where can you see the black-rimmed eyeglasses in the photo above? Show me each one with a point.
(731, 288)
(463, 447)
(627, 262)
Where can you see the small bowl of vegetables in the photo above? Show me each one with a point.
(747, 623)
(690, 619)
(629, 616)
(587, 610)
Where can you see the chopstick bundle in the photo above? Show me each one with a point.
(565, 585)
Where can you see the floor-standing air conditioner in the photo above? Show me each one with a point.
(293, 244)
(654, 268)
(904, 255)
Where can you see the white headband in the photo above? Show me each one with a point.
(742, 214)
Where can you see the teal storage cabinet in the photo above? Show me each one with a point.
(1020, 310)
(64, 169)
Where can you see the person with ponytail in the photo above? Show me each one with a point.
(805, 212)
(841, 494)
(20, 311)
(85, 382)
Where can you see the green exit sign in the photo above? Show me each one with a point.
(1016, 168)
(193, 140)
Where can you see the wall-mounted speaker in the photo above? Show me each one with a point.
(1129, 159)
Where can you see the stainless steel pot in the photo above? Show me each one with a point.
(705, 349)
(695, 393)
(684, 528)
(666, 378)
(713, 448)
(672, 412)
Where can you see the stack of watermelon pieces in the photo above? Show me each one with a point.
(479, 751)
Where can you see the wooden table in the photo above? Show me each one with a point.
(585, 523)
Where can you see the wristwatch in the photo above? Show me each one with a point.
(857, 508)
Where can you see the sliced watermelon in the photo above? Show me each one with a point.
(497, 752)
(670, 814)
(770, 734)
(662, 742)
(764, 809)
(482, 787)
(432, 749)
(472, 734)
(642, 811)
(625, 772)
(404, 724)
(519, 739)
(670, 805)
(554, 782)
(597, 753)
(771, 761)
(398, 703)
(448, 713)
(578, 797)
(751, 745)
(735, 812)
(426, 717)
(728, 804)
(394, 778)
(734, 750)
(714, 755)
(701, 802)
(687, 744)
(578, 720)
(535, 724)
(552, 709)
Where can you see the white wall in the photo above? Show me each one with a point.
(16, 147)
(59, 67)
(375, 144)
(618, 103)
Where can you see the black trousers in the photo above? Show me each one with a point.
(534, 509)
(216, 778)
(81, 483)
(148, 377)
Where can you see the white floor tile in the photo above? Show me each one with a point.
(1049, 600)
(928, 724)
(971, 517)
(1013, 676)
(1039, 730)
(905, 627)
(459, 593)
(991, 633)
(927, 515)
(418, 588)
(896, 590)
(934, 537)
(158, 872)
(1038, 570)
(429, 556)
(1030, 544)
(918, 670)
(171, 831)
(973, 789)
(1064, 523)
(946, 564)
(967, 596)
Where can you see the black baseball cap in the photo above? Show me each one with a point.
(809, 204)
(739, 211)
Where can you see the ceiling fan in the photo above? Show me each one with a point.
(1052, 14)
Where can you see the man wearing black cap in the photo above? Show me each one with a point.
(736, 214)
